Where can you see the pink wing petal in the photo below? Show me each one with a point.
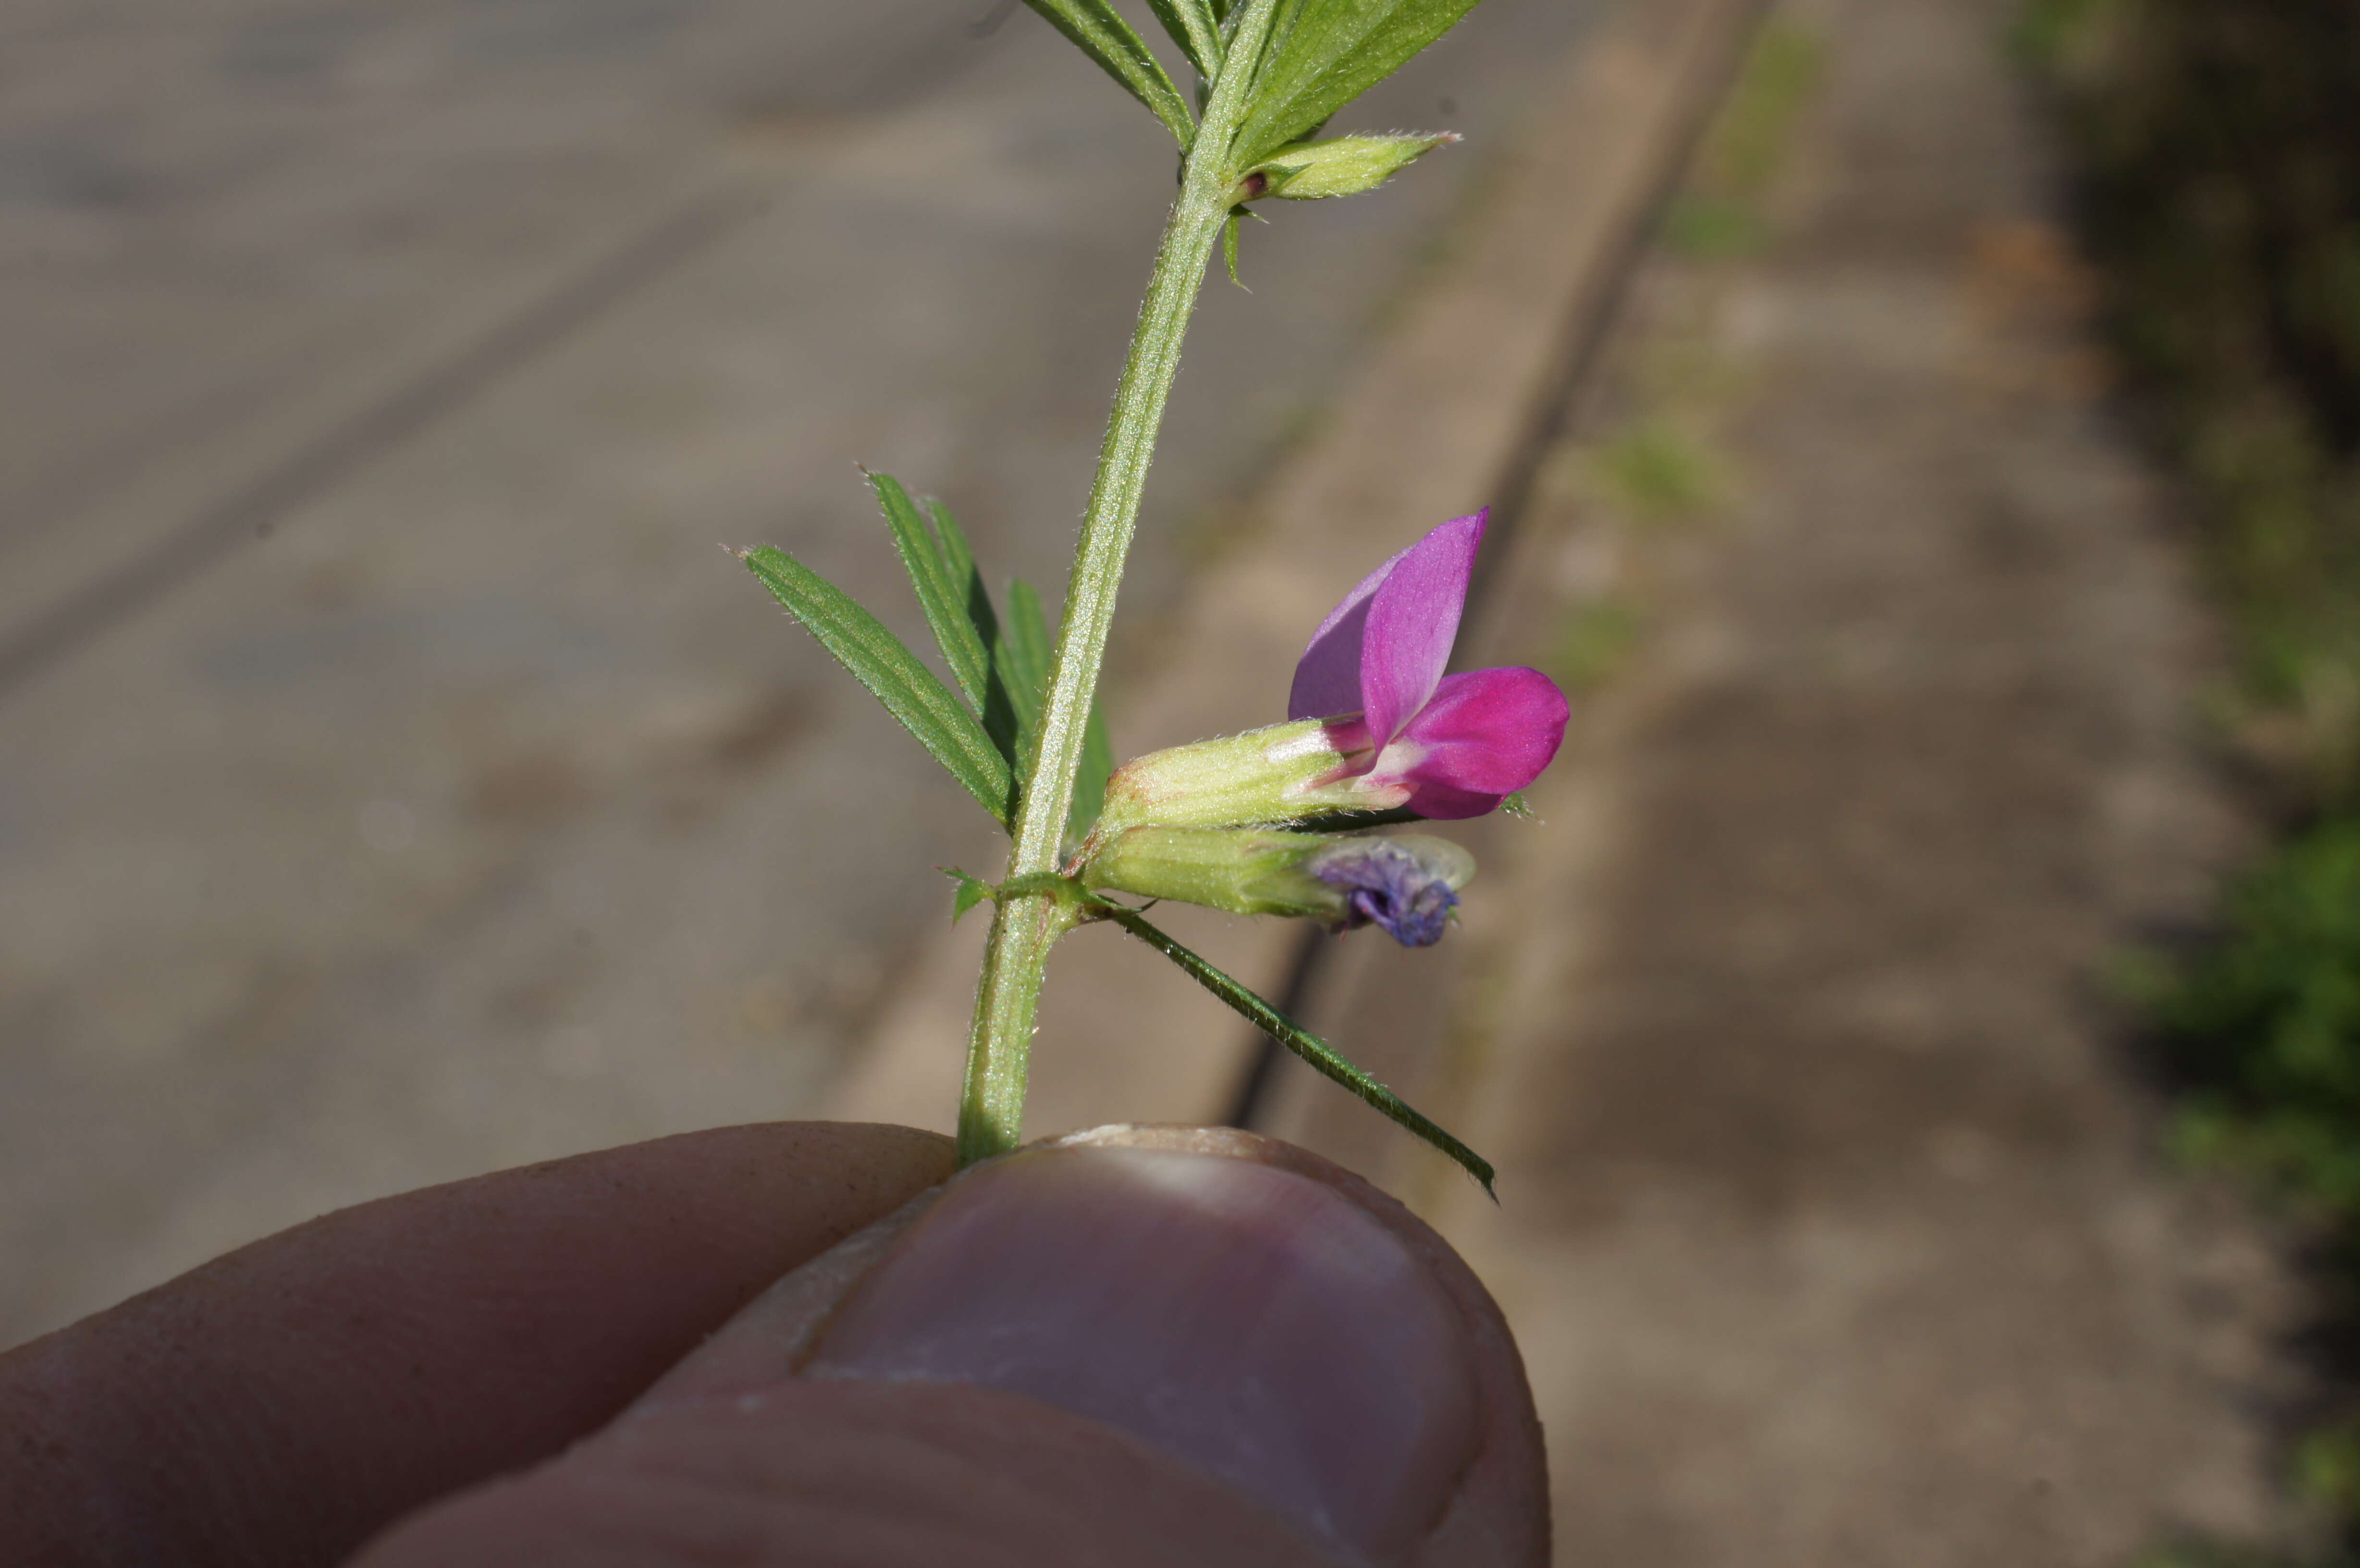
(1485, 734)
(1441, 803)
(1328, 676)
(1327, 679)
(1413, 620)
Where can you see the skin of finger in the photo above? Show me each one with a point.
(281, 1403)
(1498, 1519)
(840, 1474)
(1499, 1515)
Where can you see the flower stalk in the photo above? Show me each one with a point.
(1377, 732)
(1026, 926)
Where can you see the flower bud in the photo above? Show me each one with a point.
(1407, 885)
(1340, 166)
(1279, 774)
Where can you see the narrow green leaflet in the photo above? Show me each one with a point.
(940, 594)
(1028, 653)
(1096, 27)
(959, 562)
(971, 892)
(1301, 1041)
(877, 659)
(1331, 53)
(999, 720)
(1029, 648)
(1282, 16)
(1195, 30)
(1097, 767)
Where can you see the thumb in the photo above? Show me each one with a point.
(1140, 1345)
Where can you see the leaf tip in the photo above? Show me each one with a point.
(971, 892)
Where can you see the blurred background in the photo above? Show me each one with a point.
(1921, 1039)
(397, 780)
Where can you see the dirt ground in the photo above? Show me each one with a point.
(1833, 1214)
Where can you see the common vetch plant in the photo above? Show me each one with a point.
(1276, 821)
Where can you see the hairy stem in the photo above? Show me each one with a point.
(991, 1112)
(1008, 997)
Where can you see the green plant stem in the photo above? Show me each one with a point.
(991, 1111)
(1008, 999)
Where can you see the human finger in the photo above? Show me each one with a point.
(279, 1404)
(1145, 1346)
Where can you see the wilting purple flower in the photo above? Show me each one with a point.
(1389, 883)
(1443, 746)
(1408, 884)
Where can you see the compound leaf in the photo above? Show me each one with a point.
(941, 595)
(912, 693)
(1096, 27)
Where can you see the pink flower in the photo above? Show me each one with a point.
(1443, 746)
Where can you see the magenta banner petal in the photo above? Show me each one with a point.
(1328, 678)
(1488, 732)
(1455, 745)
(1413, 619)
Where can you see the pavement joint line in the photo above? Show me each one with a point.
(316, 466)
(1588, 330)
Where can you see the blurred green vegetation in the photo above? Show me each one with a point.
(1661, 463)
(2263, 1026)
(1592, 643)
(1719, 213)
(2210, 1557)
(2217, 155)
(1657, 473)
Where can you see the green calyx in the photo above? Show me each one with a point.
(1254, 871)
(1261, 775)
(1292, 773)
(1340, 166)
